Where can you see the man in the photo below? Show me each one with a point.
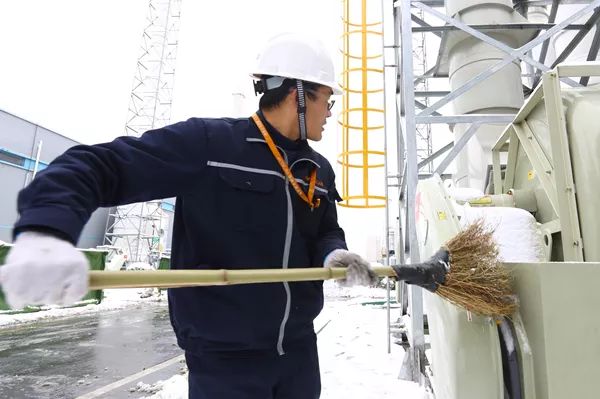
(251, 193)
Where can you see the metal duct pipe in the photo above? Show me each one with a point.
(540, 15)
(501, 93)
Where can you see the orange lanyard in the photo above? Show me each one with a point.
(313, 175)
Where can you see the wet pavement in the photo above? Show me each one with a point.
(66, 358)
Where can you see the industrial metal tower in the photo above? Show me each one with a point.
(137, 229)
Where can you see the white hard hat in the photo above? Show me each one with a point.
(291, 55)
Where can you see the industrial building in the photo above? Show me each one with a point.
(25, 149)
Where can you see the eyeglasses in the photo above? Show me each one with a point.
(329, 103)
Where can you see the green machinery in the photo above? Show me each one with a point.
(551, 347)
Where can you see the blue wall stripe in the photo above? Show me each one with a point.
(29, 163)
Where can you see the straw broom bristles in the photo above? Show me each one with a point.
(476, 281)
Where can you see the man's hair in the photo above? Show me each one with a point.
(272, 98)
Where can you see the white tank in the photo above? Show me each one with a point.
(500, 94)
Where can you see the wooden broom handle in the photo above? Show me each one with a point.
(193, 278)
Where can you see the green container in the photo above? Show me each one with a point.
(165, 263)
(96, 258)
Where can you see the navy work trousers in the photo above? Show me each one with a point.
(255, 374)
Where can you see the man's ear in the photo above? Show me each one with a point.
(294, 94)
(292, 97)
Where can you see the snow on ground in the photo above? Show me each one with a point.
(352, 350)
(352, 344)
(113, 299)
(173, 388)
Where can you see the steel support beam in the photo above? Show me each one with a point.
(469, 118)
(427, 75)
(551, 19)
(563, 171)
(419, 93)
(440, 3)
(509, 58)
(386, 164)
(479, 35)
(425, 27)
(435, 155)
(548, 2)
(412, 367)
(593, 53)
(578, 38)
(458, 146)
(444, 28)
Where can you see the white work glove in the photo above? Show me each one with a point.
(43, 269)
(359, 270)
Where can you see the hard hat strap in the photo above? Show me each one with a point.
(301, 109)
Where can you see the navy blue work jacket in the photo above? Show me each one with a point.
(235, 209)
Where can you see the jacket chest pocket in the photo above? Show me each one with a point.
(247, 201)
(308, 220)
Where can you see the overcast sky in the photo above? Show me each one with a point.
(68, 65)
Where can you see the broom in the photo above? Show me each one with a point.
(473, 281)
(476, 281)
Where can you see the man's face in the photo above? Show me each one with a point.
(317, 112)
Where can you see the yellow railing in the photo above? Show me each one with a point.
(362, 153)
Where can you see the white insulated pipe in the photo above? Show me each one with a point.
(539, 15)
(499, 94)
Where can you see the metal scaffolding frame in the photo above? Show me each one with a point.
(137, 230)
(133, 228)
(409, 19)
(152, 92)
(423, 131)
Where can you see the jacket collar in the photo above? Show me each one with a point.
(279, 139)
(302, 148)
